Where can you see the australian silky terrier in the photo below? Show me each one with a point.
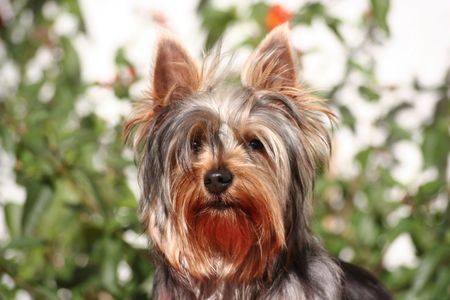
(227, 174)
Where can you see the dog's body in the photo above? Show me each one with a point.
(353, 283)
(228, 175)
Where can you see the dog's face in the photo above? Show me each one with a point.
(227, 171)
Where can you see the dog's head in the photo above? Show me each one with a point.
(227, 172)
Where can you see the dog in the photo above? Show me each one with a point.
(227, 174)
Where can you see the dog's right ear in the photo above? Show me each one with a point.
(175, 74)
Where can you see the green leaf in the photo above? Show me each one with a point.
(73, 7)
(363, 157)
(24, 243)
(364, 69)
(70, 64)
(120, 58)
(368, 93)
(380, 10)
(435, 144)
(367, 230)
(13, 214)
(259, 12)
(121, 90)
(397, 109)
(428, 267)
(396, 133)
(38, 199)
(429, 190)
(309, 12)
(333, 24)
(111, 258)
(215, 22)
(347, 117)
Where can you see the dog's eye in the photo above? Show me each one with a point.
(196, 145)
(256, 144)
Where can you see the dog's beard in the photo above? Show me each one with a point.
(223, 229)
(234, 235)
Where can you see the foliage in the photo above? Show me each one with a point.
(70, 234)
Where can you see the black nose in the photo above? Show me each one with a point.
(217, 181)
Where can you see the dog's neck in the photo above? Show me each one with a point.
(314, 276)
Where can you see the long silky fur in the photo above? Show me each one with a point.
(272, 253)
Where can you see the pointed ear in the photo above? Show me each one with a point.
(272, 65)
(175, 74)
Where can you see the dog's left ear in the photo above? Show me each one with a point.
(272, 65)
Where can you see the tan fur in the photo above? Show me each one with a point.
(272, 65)
(266, 209)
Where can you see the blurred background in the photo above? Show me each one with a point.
(69, 71)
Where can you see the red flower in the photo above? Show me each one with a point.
(277, 15)
(160, 18)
